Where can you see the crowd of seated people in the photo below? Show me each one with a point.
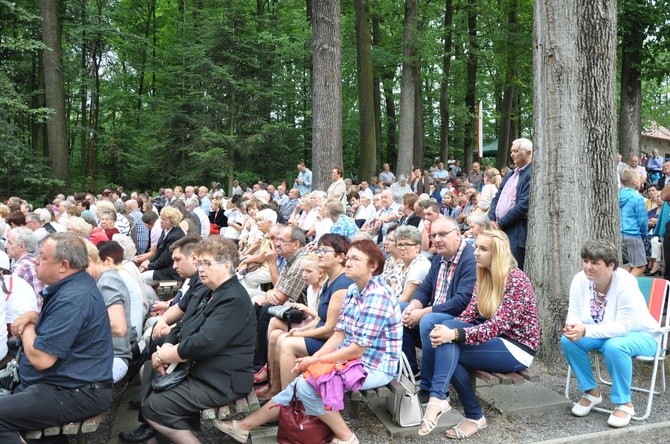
(430, 262)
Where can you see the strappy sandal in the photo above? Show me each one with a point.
(262, 390)
(261, 375)
(427, 424)
(460, 434)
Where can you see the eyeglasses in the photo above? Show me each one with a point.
(206, 264)
(441, 234)
(354, 259)
(324, 251)
(405, 245)
(284, 241)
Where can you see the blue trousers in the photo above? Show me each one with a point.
(312, 400)
(449, 363)
(617, 353)
(417, 336)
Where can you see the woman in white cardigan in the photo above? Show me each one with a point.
(607, 312)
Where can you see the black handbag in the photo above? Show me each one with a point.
(288, 314)
(171, 378)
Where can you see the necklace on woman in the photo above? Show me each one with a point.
(598, 303)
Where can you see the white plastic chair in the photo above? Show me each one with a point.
(655, 291)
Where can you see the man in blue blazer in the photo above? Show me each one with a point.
(509, 207)
(444, 292)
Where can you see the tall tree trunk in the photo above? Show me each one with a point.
(471, 87)
(154, 45)
(326, 91)
(391, 121)
(407, 88)
(55, 93)
(306, 92)
(37, 127)
(83, 92)
(377, 96)
(505, 133)
(151, 6)
(266, 55)
(444, 83)
(417, 152)
(366, 109)
(96, 51)
(575, 133)
(631, 92)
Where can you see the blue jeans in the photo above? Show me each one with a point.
(617, 354)
(452, 361)
(425, 327)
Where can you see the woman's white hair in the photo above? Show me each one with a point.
(129, 248)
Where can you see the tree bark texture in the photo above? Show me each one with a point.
(444, 83)
(407, 89)
(417, 154)
(470, 131)
(367, 159)
(631, 92)
(505, 133)
(391, 121)
(55, 92)
(326, 91)
(573, 191)
(377, 86)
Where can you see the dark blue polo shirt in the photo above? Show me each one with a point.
(74, 326)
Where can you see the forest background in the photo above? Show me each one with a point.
(162, 92)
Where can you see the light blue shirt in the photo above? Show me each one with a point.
(655, 163)
(306, 185)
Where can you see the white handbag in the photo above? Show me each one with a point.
(405, 409)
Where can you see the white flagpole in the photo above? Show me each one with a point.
(480, 131)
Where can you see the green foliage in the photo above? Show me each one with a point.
(23, 172)
(188, 90)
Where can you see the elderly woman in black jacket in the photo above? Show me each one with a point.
(217, 336)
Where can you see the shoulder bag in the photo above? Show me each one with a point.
(405, 409)
(297, 427)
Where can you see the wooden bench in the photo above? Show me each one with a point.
(393, 388)
(514, 378)
(244, 405)
(74, 428)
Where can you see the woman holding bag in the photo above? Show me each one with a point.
(368, 329)
(216, 336)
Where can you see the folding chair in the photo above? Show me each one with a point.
(655, 291)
